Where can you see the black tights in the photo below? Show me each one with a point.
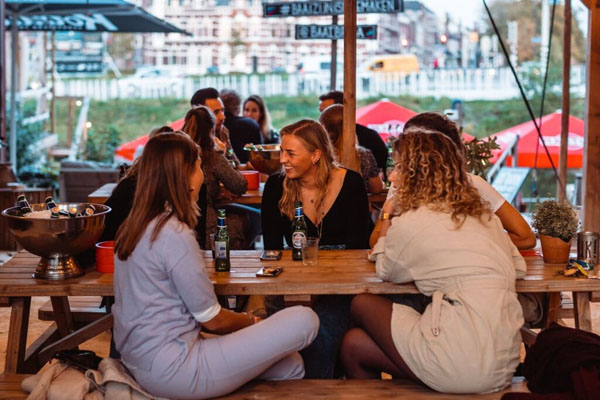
(368, 348)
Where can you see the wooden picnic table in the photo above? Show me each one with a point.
(337, 272)
(252, 197)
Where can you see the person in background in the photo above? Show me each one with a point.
(209, 97)
(515, 225)
(242, 130)
(199, 124)
(367, 138)
(336, 210)
(440, 233)
(255, 108)
(165, 300)
(332, 119)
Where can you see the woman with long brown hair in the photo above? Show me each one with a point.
(332, 119)
(164, 297)
(442, 235)
(336, 211)
(255, 108)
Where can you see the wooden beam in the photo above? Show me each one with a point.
(587, 3)
(566, 106)
(591, 161)
(349, 156)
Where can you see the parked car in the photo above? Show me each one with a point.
(152, 77)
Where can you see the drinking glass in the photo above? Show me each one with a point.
(310, 250)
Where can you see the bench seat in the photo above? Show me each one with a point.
(83, 309)
(10, 387)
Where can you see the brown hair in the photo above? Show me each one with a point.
(313, 137)
(199, 124)
(133, 170)
(162, 190)
(332, 119)
(432, 172)
(432, 121)
(264, 121)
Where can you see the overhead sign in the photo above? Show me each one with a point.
(334, 32)
(336, 7)
(93, 22)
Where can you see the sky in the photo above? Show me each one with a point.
(470, 11)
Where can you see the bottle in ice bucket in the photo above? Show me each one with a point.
(55, 212)
(23, 204)
(89, 210)
(222, 262)
(298, 232)
(50, 204)
(389, 167)
(72, 212)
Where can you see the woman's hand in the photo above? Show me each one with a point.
(220, 144)
(226, 196)
(389, 206)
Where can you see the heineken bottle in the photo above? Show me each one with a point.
(222, 262)
(298, 232)
(50, 203)
(389, 167)
(23, 204)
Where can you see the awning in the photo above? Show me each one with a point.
(84, 16)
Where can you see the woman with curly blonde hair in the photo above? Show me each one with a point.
(443, 236)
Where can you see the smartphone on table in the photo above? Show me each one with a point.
(271, 255)
(269, 271)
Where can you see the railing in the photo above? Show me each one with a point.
(490, 84)
(510, 150)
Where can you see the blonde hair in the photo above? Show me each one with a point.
(432, 172)
(162, 190)
(332, 119)
(313, 137)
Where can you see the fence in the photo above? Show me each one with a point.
(467, 84)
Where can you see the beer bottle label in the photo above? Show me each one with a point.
(298, 238)
(220, 249)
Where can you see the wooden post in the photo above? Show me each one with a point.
(349, 155)
(591, 160)
(70, 122)
(566, 106)
(53, 85)
(2, 84)
(332, 81)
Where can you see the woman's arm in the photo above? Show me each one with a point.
(233, 181)
(515, 225)
(357, 212)
(228, 321)
(271, 220)
(375, 184)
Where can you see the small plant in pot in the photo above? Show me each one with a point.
(556, 224)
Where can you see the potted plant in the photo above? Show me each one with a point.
(556, 224)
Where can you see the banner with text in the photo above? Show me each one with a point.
(334, 32)
(336, 7)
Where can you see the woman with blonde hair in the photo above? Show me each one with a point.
(442, 235)
(332, 119)
(255, 108)
(336, 211)
(165, 299)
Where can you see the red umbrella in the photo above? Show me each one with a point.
(550, 128)
(387, 118)
(126, 151)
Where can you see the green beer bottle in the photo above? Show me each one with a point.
(298, 232)
(389, 167)
(222, 262)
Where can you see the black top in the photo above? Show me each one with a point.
(371, 140)
(241, 132)
(121, 201)
(346, 224)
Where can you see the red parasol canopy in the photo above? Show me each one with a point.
(550, 128)
(126, 151)
(387, 118)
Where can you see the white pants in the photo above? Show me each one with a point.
(219, 365)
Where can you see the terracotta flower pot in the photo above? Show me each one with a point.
(555, 250)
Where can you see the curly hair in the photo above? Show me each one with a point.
(433, 121)
(432, 172)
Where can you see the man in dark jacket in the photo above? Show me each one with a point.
(366, 137)
(241, 130)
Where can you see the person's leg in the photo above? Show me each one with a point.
(321, 356)
(377, 326)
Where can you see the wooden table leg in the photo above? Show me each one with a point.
(17, 334)
(62, 315)
(581, 304)
(553, 308)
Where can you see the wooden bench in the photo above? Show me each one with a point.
(10, 388)
(84, 309)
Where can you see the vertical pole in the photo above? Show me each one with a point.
(566, 101)
(349, 153)
(545, 34)
(591, 148)
(2, 83)
(14, 42)
(53, 85)
(332, 82)
(70, 122)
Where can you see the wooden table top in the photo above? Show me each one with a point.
(337, 272)
(252, 197)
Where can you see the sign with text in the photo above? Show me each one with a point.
(336, 7)
(93, 22)
(334, 32)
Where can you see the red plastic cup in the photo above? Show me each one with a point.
(253, 178)
(105, 261)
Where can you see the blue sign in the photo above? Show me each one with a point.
(336, 7)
